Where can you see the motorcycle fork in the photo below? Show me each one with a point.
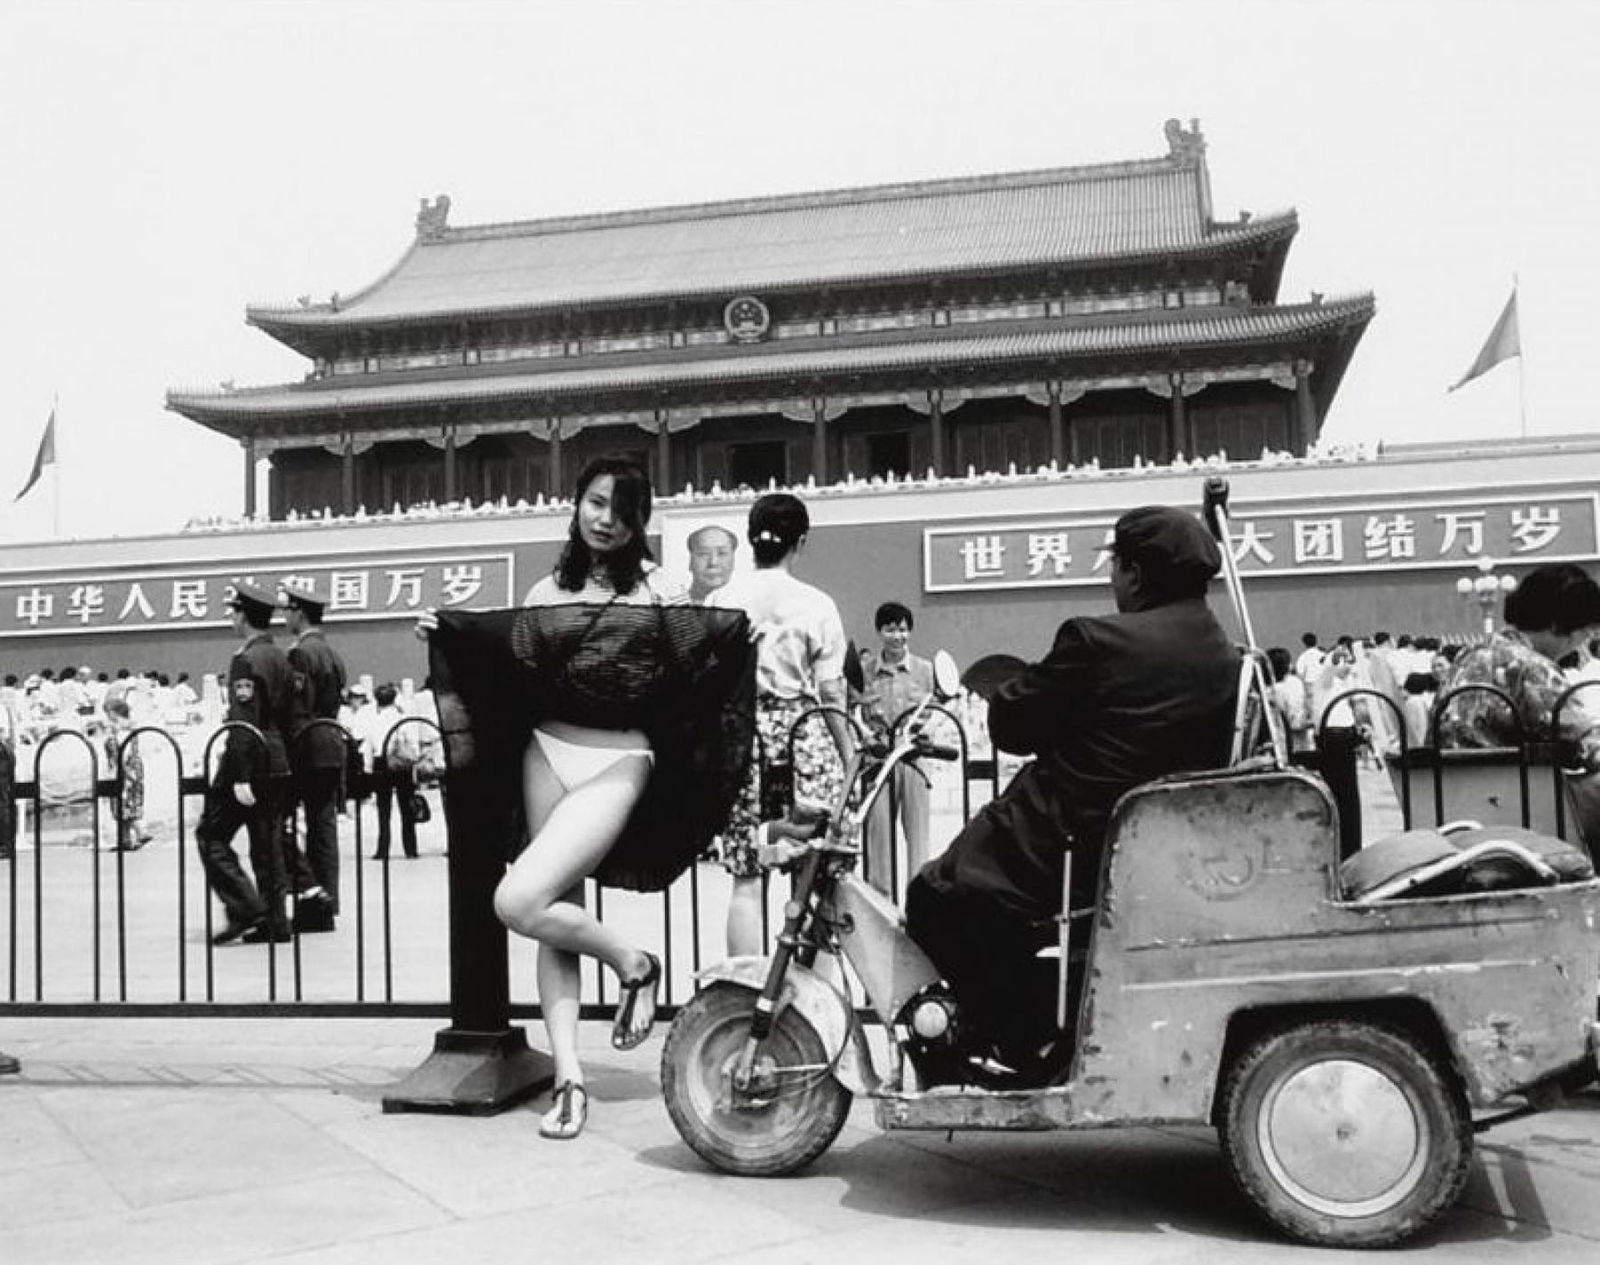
(792, 943)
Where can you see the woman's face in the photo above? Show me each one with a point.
(599, 527)
(1441, 667)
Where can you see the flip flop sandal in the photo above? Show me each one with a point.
(621, 1037)
(566, 1119)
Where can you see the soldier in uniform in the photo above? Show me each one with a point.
(317, 756)
(252, 780)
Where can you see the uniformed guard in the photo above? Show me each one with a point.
(251, 785)
(317, 754)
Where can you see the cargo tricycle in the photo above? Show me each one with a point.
(1346, 1029)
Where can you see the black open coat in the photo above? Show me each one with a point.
(685, 675)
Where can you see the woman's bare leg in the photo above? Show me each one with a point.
(559, 998)
(541, 895)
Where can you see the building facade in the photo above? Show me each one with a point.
(1083, 316)
(991, 563)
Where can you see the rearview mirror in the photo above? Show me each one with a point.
(946, 676)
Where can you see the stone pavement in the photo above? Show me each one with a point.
(217, 1141)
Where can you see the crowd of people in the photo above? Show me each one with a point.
(117, 710)
(1546, 646)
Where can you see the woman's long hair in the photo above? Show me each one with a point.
(622, 567)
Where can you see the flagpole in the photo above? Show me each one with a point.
(55, 483)
(1522, 358)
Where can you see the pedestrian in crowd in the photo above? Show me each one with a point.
(1383, 669)
(355, 713)
(317, 756)
(1553, 609)
(1292, 700)
(1333, 715)
(1583, 664)
(126, 761)
(1421, 689)
(8, 775)
(711, 560)
(800, 664)
(183, 693)
(72, 698)
(1309, 665)
(1441, 659)
(390, 750)
(589, 763)
(251, 785)
(894, 681)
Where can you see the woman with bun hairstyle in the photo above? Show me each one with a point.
(800, 665)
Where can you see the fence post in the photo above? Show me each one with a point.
(480, 1064)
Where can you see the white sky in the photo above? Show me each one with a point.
(164, 164)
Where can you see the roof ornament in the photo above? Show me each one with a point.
(433, 218)
(1183, 144)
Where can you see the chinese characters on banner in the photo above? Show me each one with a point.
(1298, 540)
(166, 598)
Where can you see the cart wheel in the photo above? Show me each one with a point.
(1345, 1133)
(794, 1108)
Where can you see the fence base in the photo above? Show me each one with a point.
(473, 1074)
(9, 1065)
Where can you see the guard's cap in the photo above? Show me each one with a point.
(1173, 550)
(301, 592)
(246, 595)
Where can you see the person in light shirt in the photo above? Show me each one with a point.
(800, 658)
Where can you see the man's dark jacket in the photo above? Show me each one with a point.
(1119, 700)
(260, 693)
(319, 681)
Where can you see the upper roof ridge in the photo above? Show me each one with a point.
(811, 199)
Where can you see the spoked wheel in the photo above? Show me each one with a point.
(790, 1113)
(1346, 1133)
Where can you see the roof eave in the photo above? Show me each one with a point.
(230, 414)
(300, 328)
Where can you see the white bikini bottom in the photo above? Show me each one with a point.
(573, 763)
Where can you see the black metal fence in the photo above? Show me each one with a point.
(1524, 783)
(107, 929)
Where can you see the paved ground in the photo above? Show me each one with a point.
(262, 1140)
(208, 1140)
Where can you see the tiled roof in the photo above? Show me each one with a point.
(1123, 211)
(1190, 329)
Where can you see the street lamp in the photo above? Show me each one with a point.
(1486, 588)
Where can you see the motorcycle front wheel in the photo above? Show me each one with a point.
(790, 1113)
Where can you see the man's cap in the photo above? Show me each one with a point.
(303, 593)
(359, 690)
(1171, 546)
(245, 594)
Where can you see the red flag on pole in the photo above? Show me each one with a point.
(46, 456)
(1505, 341)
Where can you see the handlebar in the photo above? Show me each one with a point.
(1214, 506)
(938, 751)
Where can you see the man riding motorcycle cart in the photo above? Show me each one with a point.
(1120, 700)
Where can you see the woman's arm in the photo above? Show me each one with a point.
(835, 697)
